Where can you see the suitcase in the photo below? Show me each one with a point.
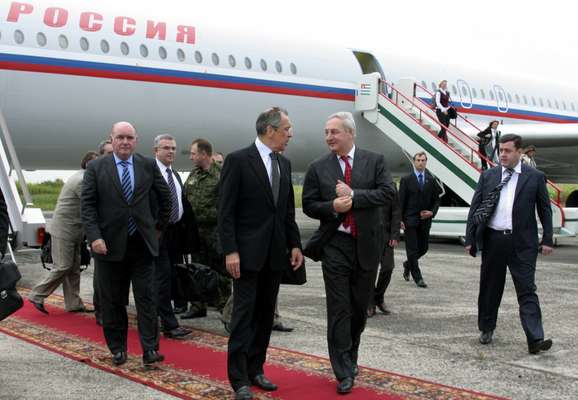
(10, 299)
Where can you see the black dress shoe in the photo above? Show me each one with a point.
(540, 345)
(176, 333)
(383, 308)
(151, 357)
(345, 385)
(179, 310)
(83, 310)
(119, 358)
(243, 393)
(370, 311)
(195, 314)
(406, 271)
(486, 337)
(421, 283)
(355, 370)
(261, 381)
(39, 306)
(281, 328)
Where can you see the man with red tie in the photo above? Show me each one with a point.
(345, 190)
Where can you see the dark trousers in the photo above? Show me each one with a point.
(96, 294)
(348, 288)
(164, 275)
(482, 151)
(416, 246)
(444, 120)
(384, 276)
(114, 280)
(499, 253)
(251, 323)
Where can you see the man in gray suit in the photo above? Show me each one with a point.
(117, 211)
(67, 236)
(345, 190)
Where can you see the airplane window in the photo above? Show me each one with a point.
(63, 42)
(549, 104)
(424, 84)
(474, 92)
(293, 68)
(541, 102)
(104, 46)
(433, 87)
(525, 99)
(556, 104)
(482, 93)
(232, 61)
(41, 39)
(248, 63)
(181, 55)
(198, 57)
(263, 65)
(454, 89)
(215, 58)
(563, 105)
(517, 98)
(124, 49)
(509, 97)
(162, 52)
(18, 36)
(84, 45)
(533, 100)
(464, 91)
(278, 66)
(501, 95)
(144, 51)
(572, 106)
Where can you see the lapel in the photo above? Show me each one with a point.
(358, 169)
(495, 178)
(112, 171)
(137, 168)
(335, 169)
(256, 163)
(522, 179)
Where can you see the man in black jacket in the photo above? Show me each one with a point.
(502, 224)
(123, 232)
(260, 238)
(345, 190)
(419, 198)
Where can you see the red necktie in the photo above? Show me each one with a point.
(349, 221)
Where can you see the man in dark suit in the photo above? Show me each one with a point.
(502, 224)
(260, 238)
(117, 213)
(173, 238)
(419, 198)
(391, 223)
(345, 190)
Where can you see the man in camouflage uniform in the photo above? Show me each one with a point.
(201, 190)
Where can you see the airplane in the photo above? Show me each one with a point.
(69, 69)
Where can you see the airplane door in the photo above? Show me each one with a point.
(501, 99)
(465, 93)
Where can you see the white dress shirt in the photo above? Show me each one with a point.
(264, 152)
(342, 165)
(502, 218)
(163, 169)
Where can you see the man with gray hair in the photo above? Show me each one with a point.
(345, 191)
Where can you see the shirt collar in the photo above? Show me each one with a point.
(517, 168)
(263, 149)
(443, 91)
(416, 172)
(118, 160)
(349, 155)
(162, 166)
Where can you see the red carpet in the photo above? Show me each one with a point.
(196, 368)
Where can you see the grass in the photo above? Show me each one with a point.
(45, 194)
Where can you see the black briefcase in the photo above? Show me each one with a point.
(200, 282)
(290, 277)
(10, 299)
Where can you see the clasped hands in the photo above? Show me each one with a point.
(344, 200)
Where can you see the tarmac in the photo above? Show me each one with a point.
(431, 334)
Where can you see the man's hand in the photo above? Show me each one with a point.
(296, 258)
(342, 204)
(425, 214)
(402, 226)
(468, 248)
(99, 247)
(342, 189)
(393, 243)
(547, 250)
(233, 263)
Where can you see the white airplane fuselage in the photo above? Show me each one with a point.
(68, 70)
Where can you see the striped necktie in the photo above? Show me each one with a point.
(174, 198)
(420, 180)
(126, 185)
(486, 209)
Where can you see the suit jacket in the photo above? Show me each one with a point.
(105, 211)
(4, 223)
(66, 223)
(391, 219)
(373, 189)
(248, 220)
(531, 195)
(413, 200)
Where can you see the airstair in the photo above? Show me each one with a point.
(26, 222)
(410, 122)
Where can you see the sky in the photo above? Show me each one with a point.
(532, 38)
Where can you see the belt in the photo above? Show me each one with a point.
(504, 232)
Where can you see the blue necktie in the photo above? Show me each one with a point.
(420, 180)
(127, 191)
(174, 199)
